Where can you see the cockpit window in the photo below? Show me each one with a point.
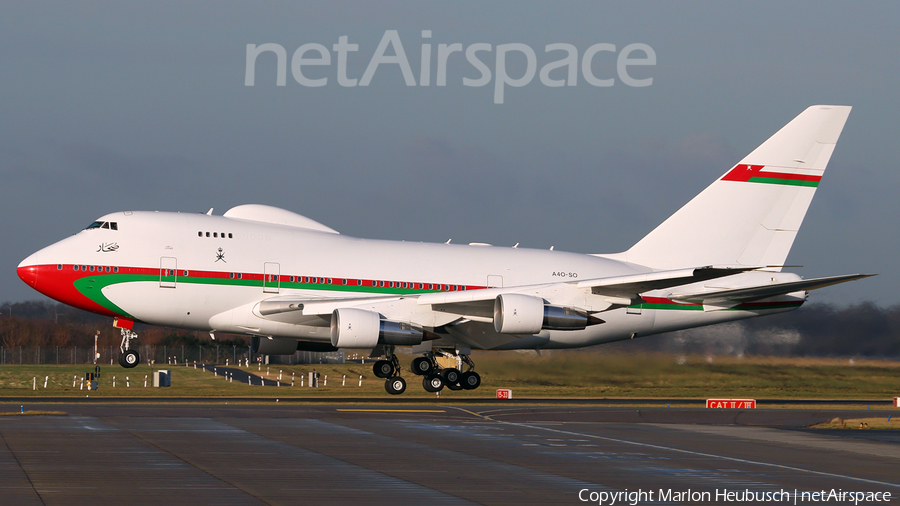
(109, 225)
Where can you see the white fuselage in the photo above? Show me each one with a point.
(207, 272)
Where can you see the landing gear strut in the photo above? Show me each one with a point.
(128, 358)
(390, 370)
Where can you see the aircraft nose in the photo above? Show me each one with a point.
(28, 271)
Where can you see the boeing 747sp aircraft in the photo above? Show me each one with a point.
(294, 284)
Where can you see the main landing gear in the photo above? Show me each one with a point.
(434, 377)
(128, 358)
(390, 370)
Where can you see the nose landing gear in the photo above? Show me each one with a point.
(128, 358)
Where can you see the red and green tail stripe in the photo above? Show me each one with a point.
(756, 174)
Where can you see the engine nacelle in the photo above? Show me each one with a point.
(274, 346)
(359, 328)
(516, 313)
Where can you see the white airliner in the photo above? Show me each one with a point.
(292, 283)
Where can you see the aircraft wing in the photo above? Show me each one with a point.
(617, 290)
(590, 296)
(479, 304)
(763, 291)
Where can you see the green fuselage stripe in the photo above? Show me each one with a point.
(92, 288)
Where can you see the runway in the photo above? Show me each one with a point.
(418, 454)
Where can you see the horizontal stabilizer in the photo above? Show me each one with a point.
(763, 291)
(631, 286)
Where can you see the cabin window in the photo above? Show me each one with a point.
(106, 268)
(105, 225)
(343, 281)
(92, 268)
(329, 281)
(115, 269)
(207, 234)
(184, 273)
(215, 234)
(229, 235)
(199, 234)
(358, 282)
(113, 225)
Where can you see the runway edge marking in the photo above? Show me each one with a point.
(679, 450)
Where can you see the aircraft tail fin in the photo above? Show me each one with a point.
(751, 215)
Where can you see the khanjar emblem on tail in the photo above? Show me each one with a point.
(220, 255)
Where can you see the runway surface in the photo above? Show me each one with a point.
(424, 454)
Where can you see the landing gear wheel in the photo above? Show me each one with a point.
(383, 369)
(129, 359)
(450, 376)
(422, 366)
(395, 385)
(470, 380)
(433, 383)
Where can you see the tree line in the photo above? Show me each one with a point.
(48, 324)
(814, 330)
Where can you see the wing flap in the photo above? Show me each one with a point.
(307, 307)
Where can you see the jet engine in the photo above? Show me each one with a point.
(516, 313)
(359, 328)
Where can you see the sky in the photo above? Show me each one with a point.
(110, 106)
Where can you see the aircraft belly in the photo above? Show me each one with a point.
(185, 306)
(482, 336)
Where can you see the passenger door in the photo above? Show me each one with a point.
(168, 272)
(271, 280)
